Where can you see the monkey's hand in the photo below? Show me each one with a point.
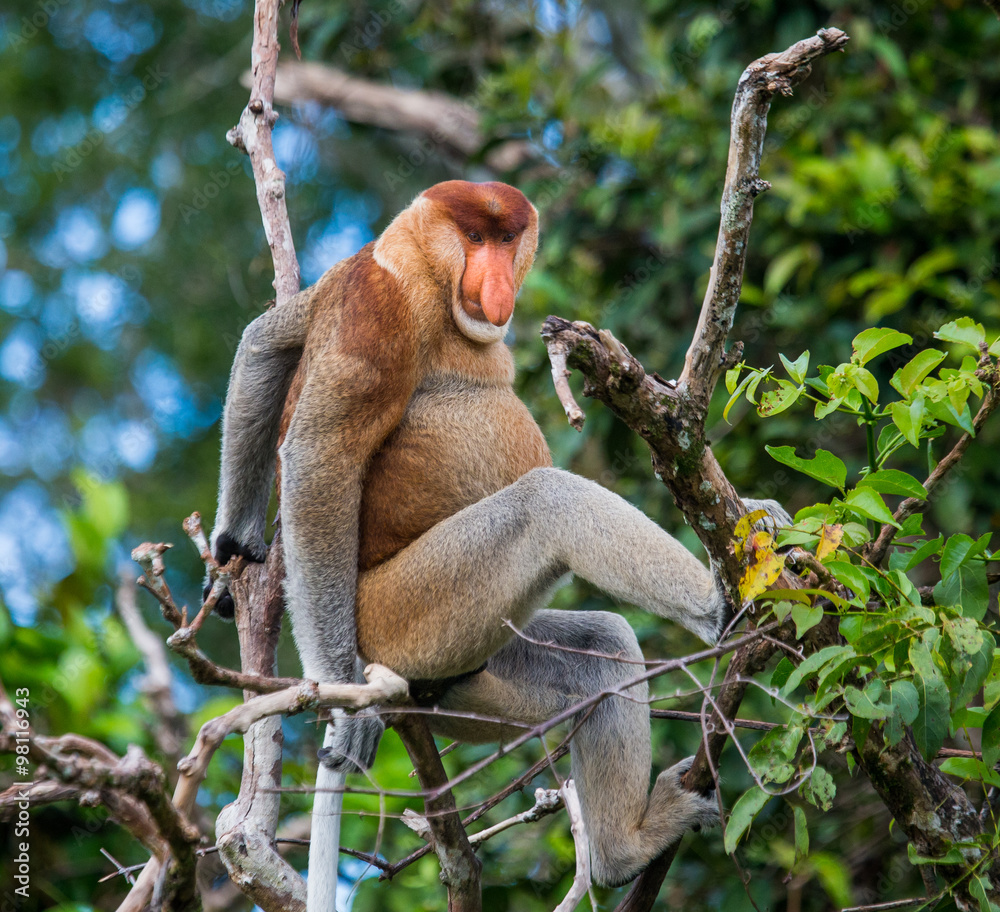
(355, 741)
(224, 549)
(693, 811)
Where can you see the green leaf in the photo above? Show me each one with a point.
(930, 727)
(865, 383)
(991, 686)
(926, 550)
(850, 576)
(908, 377)
(806, 617)
(955, 551)
(876, 341)
(781, 609)
(905, 706)
(913, 525)
(964, 331)
(797, 368)
(869, 504)
(752, 377)
(824, 467)
(991, 738)
(819, 789)
(771, 757)
(967, 589)
(960, 549)
(748, 806)
(952, 856)
(971, 768)
(864, 703)
(827, 408)
(801, 833)
(775, 401)
(786, 264)
(980, 891)
(812, 664)
(892, 481)
(969, 670)
(931, 264)
(781, 673)
(909, 418)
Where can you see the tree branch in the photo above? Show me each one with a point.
(757, 86)
(670, 416)
(252, 135)
(460, 868)
(454, 126)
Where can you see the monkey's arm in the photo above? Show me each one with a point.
(356, 391)
(358, 384)
(262, 371)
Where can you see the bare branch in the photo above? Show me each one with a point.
(460, 868)
(547, 801)
(581, 879)
(454, 126)
(435, 114)
(252, 135)
(757, 86)
(383, 687)
(170, 727)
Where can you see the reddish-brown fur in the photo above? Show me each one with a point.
(451, 448)
(493, 209)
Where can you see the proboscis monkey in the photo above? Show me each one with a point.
(420, 510)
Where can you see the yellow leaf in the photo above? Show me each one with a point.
(829, 540)
(744, 530)
(761, 573)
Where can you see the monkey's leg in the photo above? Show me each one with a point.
(627, 825)
(438, 607)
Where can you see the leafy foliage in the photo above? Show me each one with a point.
(913, 659)
(885, 208)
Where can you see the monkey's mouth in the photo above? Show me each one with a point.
(475, 310)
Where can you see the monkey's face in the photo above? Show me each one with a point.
(495, 229)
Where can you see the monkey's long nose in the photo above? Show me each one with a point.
(496, 296)
(497, 301)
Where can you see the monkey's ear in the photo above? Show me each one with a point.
(526, 250)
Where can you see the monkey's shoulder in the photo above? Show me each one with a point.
(357, 293)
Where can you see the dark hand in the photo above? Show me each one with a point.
(226, 547)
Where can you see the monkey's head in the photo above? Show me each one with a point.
(480, 240)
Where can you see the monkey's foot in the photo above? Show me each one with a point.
(693, 811)
(355, 742)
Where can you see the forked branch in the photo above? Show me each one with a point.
(670, 416)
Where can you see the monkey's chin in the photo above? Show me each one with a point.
(481, 331)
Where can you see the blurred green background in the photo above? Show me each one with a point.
(132, 256)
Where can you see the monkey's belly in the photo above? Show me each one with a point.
(453, 448)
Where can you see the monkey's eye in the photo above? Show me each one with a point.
(507, 238)
(475, 237)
